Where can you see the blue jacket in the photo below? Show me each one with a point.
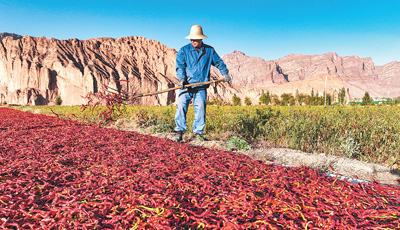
(195, 66)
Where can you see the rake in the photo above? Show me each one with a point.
(167, 90)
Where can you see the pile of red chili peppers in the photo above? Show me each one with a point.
(61, 174)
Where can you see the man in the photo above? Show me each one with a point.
(193, 64)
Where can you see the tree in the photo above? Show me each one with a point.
(58, 100)
(297, 97)
(236, 100)
(319, 100)
(286, 99)
(292, 101)
(247, 101)
(275, 100)
(311, 102)
(366, 100)
(342, 96)
(307, 100)
(302, 98)
(328, 99)
(396, 100)
(265, 99)
(316, 99)
(214, 101)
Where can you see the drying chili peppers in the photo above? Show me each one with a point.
(61, 174)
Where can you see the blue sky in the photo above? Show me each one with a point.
(266, 29)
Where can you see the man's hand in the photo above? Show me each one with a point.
(183, 82)
(227, 78)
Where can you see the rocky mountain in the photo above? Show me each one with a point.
(360, 74)
(253, 71)
(35, 70)
(389, 73)
(14, 36)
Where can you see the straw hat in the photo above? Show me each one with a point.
(196, 32)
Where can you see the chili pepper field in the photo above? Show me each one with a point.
(62, 174)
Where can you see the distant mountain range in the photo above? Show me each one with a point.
(360, 74)
(15, 36)
(34, 70)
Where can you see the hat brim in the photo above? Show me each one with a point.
(192, 36)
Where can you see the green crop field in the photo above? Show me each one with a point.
(366, 133)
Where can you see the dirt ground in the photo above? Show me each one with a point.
(349, 169)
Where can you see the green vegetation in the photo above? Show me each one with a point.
(288, 99)
(265, 99)
(58, 100)
(342, 96)
(247, 101)
(238, 144)
(367, 133)
(214, 102)
(367, 100)
(236, 100)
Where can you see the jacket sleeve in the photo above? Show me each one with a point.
(219, 63)
(181, 65)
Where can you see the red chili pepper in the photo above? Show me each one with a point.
(53, 172)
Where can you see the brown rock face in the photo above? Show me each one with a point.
(390, 75)
(360, 74)
(35, 70)
(253, 71)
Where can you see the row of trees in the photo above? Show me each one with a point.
(288, 99)
(298, 99)
(368, 100)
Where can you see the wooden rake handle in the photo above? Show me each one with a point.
(179, 87)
